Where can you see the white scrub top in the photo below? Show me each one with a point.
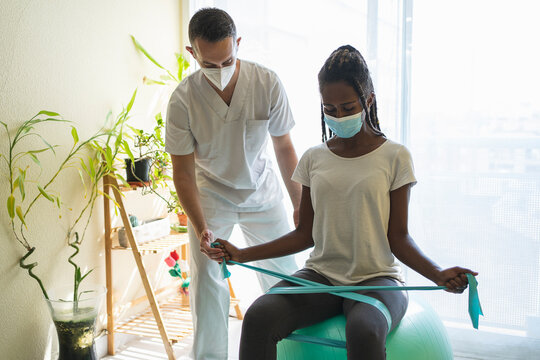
(233, 168)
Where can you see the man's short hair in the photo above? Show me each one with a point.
(211, 24)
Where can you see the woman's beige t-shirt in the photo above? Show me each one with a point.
(351, 203)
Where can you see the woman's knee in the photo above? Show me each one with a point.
(262, 313)
(366, 331)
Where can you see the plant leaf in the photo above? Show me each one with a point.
(20, 215)
(34, 158)
(148, 81)
(44, 193)
(46, 143)
(11, 206)
(130, 104)
(143, 50)
(20, 183)
(83, 165)
(74, 134)
(48, 113)
(128, 150)
(37, 151)
(85, 275)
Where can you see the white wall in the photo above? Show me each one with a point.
(75, 58)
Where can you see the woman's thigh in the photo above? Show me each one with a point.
(281, 314)
(395, 301)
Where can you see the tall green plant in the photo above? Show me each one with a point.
(93, 158)
(155, 141)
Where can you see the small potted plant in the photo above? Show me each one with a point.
(173, 206)
(173, 260)
(138, 169)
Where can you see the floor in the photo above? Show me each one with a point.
(150, 349)
(147, 349)
(468, 345)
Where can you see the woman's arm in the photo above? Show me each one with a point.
(293, 242)
(406, 250)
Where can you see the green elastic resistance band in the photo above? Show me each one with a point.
(349, 295)
(317, 340)
(326, 289)
(475, 308)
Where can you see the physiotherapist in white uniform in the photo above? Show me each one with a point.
(218, 124)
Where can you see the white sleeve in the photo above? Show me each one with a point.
(403, 169)
(281, 118)
(179, 139)
(301, 173)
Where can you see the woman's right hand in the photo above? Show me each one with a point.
(231, 252)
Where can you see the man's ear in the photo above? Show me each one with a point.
(238, 41)
(190, 50)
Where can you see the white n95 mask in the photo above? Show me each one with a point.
(220, 77)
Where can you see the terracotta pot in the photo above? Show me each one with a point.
(184, 299)
(182, 219)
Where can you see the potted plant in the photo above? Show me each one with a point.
(160, 167)
(73, 308)
(173, 206)
(173, 260)
(149, 158)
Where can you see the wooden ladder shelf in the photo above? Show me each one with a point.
(150, 323)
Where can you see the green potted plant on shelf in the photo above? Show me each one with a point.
(160, 166)
(74, 308)
(174, 206)
(150, 165)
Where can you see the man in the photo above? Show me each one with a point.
(218, 121)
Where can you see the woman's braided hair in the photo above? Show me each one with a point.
(347, 64)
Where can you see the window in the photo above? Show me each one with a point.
(457, 82)
(475, 137)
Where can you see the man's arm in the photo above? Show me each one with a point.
(188, 195)
(287, 161)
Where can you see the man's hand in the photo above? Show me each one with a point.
(206, 238)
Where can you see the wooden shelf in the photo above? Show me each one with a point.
(177, 319)
(175, 323)
(162, 244)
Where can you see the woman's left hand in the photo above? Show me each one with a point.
(454, 279)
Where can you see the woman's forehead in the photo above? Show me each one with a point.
(338, 92)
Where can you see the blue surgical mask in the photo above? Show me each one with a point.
(347, 126)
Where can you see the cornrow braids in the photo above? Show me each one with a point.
(348, 65)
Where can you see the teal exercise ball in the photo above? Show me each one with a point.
(419, 336)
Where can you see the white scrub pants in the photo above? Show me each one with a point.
(209, 292)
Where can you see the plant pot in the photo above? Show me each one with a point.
(139, 171)
(182, 219)
(147, 231)
(184, 299)
(75, 321)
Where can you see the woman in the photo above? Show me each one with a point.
(354, 211)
